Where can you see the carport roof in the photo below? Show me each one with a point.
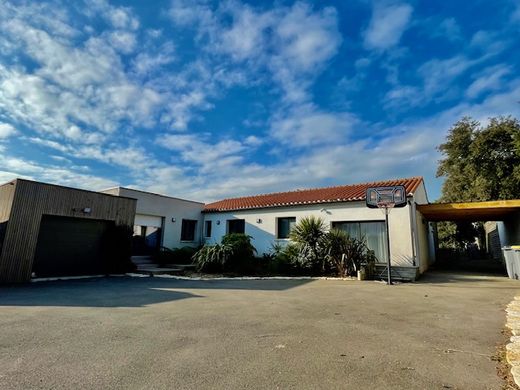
(496, 210)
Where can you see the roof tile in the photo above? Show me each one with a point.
(346, 193)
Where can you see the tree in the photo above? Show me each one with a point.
(455, 166)
(479, 163)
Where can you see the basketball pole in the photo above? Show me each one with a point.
(388, 263)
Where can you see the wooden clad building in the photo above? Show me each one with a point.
(50, 230)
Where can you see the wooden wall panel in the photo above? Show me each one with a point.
(32, 200)
(6, 200)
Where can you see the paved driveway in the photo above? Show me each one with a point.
(151, 333)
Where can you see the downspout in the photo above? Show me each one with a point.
(413, 225)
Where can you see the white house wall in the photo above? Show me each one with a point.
(264, 232)
(152, 208)
(423, 232)
(148, 220)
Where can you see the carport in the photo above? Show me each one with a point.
(498, 210)
(505, 212)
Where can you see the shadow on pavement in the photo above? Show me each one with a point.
(124, 291)
(467, 278)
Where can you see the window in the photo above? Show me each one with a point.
(188, 230)
(207, 230)
(373, 232)
(236, 226)
(285, 226)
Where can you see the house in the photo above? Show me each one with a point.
(163, 221)
(268, 219)
(50, 230)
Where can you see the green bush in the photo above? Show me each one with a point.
(242, 259)
(117, 248)
(282, 260)
(212, 258)
(175, 256)
(346, 255)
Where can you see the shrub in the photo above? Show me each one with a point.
(117, 248)
(282, 260)
(242, 258)
(212, 258)
(346, 254)
(175, 256)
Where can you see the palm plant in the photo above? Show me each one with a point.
(308, 235)
(346, 254)
(335, 244)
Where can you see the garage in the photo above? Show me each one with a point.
(70, 246)
(51, 230)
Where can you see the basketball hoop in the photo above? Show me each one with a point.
(385, 206)
(385, 199)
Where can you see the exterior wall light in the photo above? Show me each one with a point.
(259, 220)
(174, 220)
(87, 210)
(218, 222)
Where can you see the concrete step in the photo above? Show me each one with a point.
(158, 271)
(185, 267)
(142, 260)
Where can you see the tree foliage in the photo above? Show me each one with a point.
(480, 163)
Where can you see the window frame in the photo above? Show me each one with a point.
(235, 220)
(187, 239)
(359, 222)
(208, 227)
(278, 220)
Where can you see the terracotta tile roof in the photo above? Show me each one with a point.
(348, 193)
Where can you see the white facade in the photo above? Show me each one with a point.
(410, 235)
(166, 213)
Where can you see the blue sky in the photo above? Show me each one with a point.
(208, 100)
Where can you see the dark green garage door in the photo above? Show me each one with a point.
(70, 246)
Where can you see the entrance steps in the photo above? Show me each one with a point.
(147, 266)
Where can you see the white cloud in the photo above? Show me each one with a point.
(247, 34)
(13, 167)
(6, 130)
(489, 43)
(437, 78)
(450, 29)
(490, 79)
(308, 126)
(123, 41)
(146, 63)
(387, 25)
(209, 157)
(253, 140)
(118, 17)
(292, 43)
(307, 39)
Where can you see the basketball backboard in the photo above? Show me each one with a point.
(391, 196)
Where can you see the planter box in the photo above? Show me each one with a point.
(403, 273)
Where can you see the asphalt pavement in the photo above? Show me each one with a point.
(155, 333)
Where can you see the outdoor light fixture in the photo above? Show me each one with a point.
(173, 219)
(259, 220)
(87, 210)
(218, 222)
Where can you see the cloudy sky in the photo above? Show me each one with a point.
(207, 100)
